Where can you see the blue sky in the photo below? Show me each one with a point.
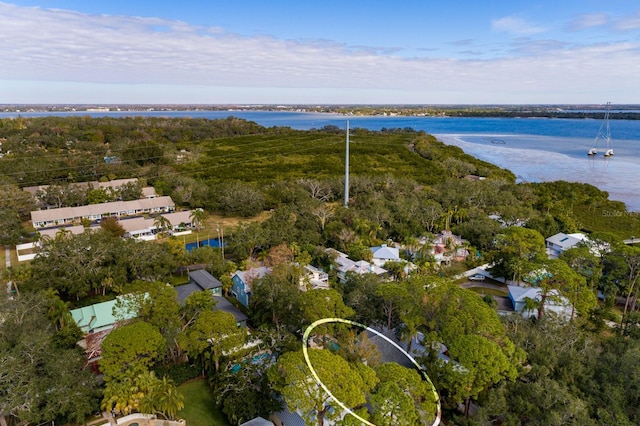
(323, 52)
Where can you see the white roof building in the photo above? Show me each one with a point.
(315, 278)
(142, 228)
(383, 254)
(95, 212)
(560, 242)
(345, 265)
(553, 303)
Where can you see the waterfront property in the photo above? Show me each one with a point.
(560, 242)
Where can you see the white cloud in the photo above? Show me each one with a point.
(175, 62)
(529, 47)
(628, 23)
(604, 20)
(515, 25)
(588, 20)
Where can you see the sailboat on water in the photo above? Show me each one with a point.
(604, 136)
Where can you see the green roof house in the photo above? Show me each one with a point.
(97, 317)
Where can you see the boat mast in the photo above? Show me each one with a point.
(604, 134)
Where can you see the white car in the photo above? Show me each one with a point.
(477, 277)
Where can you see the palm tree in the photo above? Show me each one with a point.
(198, 217)
(57, 309)
(530, 305)
(168, 397)
(410, 244)
(17, 275)
(161, 223)
(459, 215)
(123, 397)
(63, 234)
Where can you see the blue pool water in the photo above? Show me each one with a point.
(257, 359)
(211, 242)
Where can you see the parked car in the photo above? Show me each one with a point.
(477, 277)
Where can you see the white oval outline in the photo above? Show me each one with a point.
(305, 352)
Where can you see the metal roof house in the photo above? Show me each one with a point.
(98, 317)
(553, 303)
(226, 306)
(345, 265)
(560, 242)
(258, 421)
(383, 254)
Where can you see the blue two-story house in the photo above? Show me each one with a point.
(242, 280)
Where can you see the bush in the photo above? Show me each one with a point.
(179, 373)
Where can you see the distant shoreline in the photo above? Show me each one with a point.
(531, 161)
(618, 112)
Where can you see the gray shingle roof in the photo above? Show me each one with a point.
(204, 279)
(226, 306)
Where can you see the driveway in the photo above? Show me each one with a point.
(485, 284)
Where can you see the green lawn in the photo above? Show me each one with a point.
(199, 407)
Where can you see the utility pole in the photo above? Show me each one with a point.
(346, 171)
(220, 238)
(222, 241)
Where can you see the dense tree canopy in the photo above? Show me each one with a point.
(405, 187)
(291, 377)
(130, 350)
(402, 397)
(40, 379)
(481, 354)
(213, 335)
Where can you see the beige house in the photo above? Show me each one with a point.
(95, 212)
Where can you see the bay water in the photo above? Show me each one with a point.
(534, 149)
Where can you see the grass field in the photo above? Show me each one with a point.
(213, 221)
(199, 407)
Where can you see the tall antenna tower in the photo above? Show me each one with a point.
(346, 171)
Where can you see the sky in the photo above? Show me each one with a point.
(319, 52)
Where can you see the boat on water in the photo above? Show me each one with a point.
(603, 137)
